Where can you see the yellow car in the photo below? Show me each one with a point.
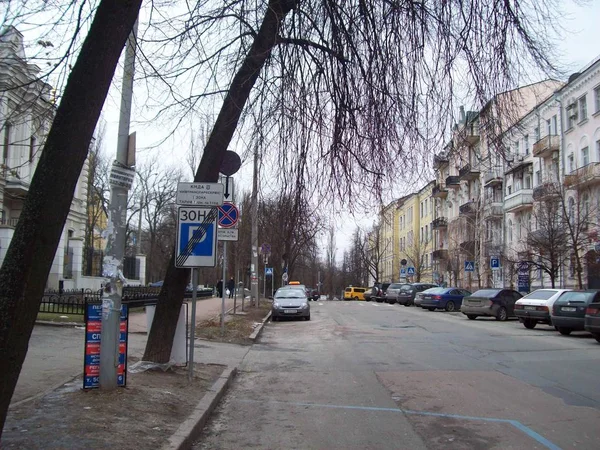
(354, 293)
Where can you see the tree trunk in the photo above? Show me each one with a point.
(29, 258)
(162, 332)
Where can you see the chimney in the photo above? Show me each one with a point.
(462, 114)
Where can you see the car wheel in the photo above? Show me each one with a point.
(502, 314)
(529, 324)
(307, 318)
(407, 305)
(450, 306)
(564, 331)
(273, 319)
(596, 336)
(471, 316)
(355, 298)
(431, 309)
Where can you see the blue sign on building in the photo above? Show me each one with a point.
(469, 266)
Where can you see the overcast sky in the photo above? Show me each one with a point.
(579, 47)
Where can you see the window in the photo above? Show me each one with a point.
(597, 98)
(598, 150)
(538, 177)
(571, 163)
(526, 144)
(571, 115)
(425, 207)
(536, 133)
(548, 127)
(585, 156)
(7, 133)
(509, 189)
(510, 231)
(586, 206)
(32, 145)
(527, 182)
(582, 108)
(571, 209)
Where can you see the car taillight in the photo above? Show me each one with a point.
(518, 306)
(593, 311)
(436, 297)
(491, 302)
(542, 308)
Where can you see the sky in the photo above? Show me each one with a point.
(579, 46)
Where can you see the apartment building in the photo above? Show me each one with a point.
(388, 242)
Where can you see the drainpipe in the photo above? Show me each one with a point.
(561, 168)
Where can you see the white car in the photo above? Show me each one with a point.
(536, 307)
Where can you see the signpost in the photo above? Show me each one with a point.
(227, 234)
(199, 194)
(196, 237)
(495, 263)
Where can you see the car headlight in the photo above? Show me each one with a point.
(275, 305)
(304, 305)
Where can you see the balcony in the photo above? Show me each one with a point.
(439, 255)
(471, 134)
(440, 160)
(493, 178)
(440, 222)
(452, 182)
(546, 190)
(468, 173)
(493, 210)
(15, 185)
(518, 201)
(546, 146)
(439, 191)
(584, 176)
(10, 223)
(468, 247)
(492, 248)
(467, 209)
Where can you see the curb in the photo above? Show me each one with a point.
(191, 427)
(59, 324)
(257, 331)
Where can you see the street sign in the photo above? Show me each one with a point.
(284, 277)
(196, 237)
(229, 193)
(227, 234)
(199, 194)
(597, 247)
(269, 271)
(495, 263)
(410, 271)
(265, 249)
(469, 266)
(231, 163)
(402, 272)
(228, 215)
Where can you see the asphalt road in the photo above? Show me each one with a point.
(367, 375)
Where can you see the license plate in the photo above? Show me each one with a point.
(530, 308)
(289, 311)
(569, 308)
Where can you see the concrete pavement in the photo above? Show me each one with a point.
(368, 375)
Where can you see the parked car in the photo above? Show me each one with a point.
(592, 319)
(419, 296)
(381, 288)
(391, 293)
(498, 303)
(371, 293)
(156, 284)
(535, 307)
(406, 294)
(568, 311)
(449, 299)
(290, 303)
(354, 293)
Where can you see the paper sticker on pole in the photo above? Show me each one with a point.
(196, 237)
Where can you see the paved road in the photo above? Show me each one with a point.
(368, 375)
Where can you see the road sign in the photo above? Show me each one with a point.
(199, 194)
(231, 163)
(410, 271)
(597, 247)
(265, 249)
(469, 266)
(402, 272)
(196, 237)
(495, 263)
(229, 193)
(268, 271)
(284, 277)
(228, 215)
(227, 234)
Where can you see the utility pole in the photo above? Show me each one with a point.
(254, 255)
(121, 178)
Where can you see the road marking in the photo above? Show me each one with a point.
(515, 423)
(361, 304)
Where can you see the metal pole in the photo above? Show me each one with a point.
(115, 245)
(224, 289)
(193, 330)
(235, 291)
(272, 283)
(254, 237)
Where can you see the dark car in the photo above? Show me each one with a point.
(381, 288)
(568, 312)
(313, 294)
(391, 293)
(498, 303)
(592, 320)
(371, 293)
(407, 292)
(449, 299)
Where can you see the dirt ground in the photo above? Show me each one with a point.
(238, 328)
(142, 415)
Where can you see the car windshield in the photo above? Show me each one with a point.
(437, 290)
(485, 293)
(540, 294)
(289, 293)
(406, 287)
(576, 297)
(395, 286)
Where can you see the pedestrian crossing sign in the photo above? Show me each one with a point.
(410, 270)
(469, 266)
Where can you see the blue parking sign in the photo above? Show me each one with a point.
(495, 262)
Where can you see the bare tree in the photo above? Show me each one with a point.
(416, 251)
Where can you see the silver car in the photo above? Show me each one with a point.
(290, 303)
